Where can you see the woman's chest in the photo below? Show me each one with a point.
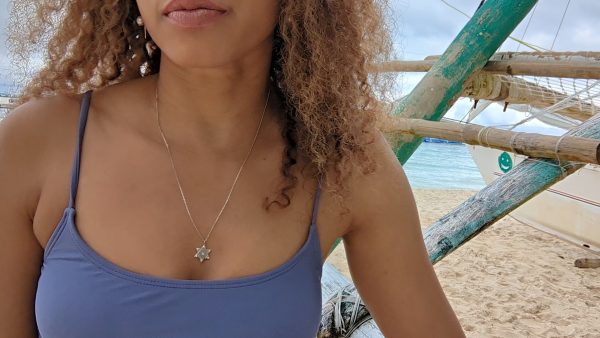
(136, 218)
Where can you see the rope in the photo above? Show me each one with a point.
(560, 25)
(485, 129)
(566, 102)
(527, 26)
(527, 44)
(512, 141)
(545, 160)
(512, 147)
(556, 149)
(563, 172)
(485, 132)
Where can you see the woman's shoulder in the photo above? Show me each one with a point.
(30, 136)
(385, 165)
(37, 125)
(384, 186)
(40, 114)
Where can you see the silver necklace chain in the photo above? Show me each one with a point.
(202, 253)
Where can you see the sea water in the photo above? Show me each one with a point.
(443, 166)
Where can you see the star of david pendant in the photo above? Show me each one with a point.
(202, 253)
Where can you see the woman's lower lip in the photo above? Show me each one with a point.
(195, 18)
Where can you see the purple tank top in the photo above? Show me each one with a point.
(81, 294)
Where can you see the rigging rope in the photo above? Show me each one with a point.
(527, 26)
(560, 24)
(527, 44)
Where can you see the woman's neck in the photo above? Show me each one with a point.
(219, 106)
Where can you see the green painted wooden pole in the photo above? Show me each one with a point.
(469, 52)
(500, 197)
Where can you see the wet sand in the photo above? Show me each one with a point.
(511, 280)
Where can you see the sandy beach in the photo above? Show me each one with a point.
(511, 280)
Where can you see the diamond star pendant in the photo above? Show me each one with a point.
(202, 253)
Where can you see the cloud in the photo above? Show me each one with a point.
(427, 27)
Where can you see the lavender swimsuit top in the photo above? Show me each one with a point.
(82, 295)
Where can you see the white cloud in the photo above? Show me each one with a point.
(429, 26)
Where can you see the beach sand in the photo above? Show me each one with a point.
(511, 280)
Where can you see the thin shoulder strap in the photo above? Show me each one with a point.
(315, 208)
(83, 114)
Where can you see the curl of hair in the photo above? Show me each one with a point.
(321, 57)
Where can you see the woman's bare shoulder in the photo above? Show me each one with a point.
(39, 115)
(30, 135)
(373, 192)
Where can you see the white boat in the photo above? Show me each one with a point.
(6, 102)
(569, 209)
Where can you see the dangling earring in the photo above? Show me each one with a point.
(149, 47)
(140, 22)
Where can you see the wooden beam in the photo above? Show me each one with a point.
(398, 66)
(570, 148)
(332, 284)
(484, 86)
(581, 65)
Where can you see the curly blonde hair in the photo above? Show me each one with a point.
(321, 56)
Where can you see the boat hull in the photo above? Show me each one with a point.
(569, 209)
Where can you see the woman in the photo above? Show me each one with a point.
(255, 119)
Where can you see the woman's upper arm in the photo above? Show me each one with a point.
(20, 252)
(387, 257)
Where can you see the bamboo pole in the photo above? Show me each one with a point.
(569, 148)
(515, 90)
(566, 65)
(500, 197)
(398, 66)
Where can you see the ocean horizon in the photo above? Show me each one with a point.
(443, 166)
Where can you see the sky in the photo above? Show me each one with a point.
(4, 62)
(427, 27)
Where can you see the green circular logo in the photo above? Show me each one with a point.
(505, 162)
